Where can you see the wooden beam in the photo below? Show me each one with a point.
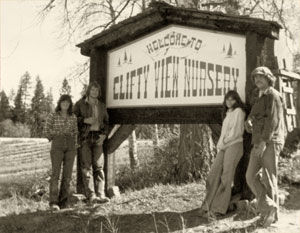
(119, 137)
(289, 74)
(166, 115)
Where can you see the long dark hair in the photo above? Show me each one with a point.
(239, 103)
(62, 98)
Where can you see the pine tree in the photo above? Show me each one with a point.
(21, 99)
(66, 88)
(19, 109)
(49, 101)
(5, 110)
(26, 86)
(38, 109)
(11, 96)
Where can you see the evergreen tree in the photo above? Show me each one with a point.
(38, 110)
(66, 88)
(5, 110)
(21, 99)
(49, 101)
(26, 86)
(19, 109)
(11, 96)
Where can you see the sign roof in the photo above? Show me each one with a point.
(161, 15)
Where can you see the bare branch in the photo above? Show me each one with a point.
(48, 6)
(104, 26)
(253, 8)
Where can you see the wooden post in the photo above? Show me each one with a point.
(109, 168)
(298, 104)
(98, 73)
(79, 184)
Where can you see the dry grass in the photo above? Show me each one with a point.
(156, 208)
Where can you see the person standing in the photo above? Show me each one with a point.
(230, 150)
(61, 129)
(92, 121)
(266, 123)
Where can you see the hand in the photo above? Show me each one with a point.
(101, 139)
(248, 126)
(90, 120)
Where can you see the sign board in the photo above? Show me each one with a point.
(176, 66)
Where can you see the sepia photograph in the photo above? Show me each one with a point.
(149, 116)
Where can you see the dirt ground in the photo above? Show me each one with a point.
(162, 208)
(158, 209)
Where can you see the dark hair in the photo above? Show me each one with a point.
(93, 84)
(239, 103)
(64, 98)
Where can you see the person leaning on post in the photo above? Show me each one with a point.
(92, 121)
(61, 129)
(266, 123)
(230, 150)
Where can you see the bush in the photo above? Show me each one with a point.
(164, 131)
(158, 169)
(10, 129)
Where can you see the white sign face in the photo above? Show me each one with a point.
(176, 66)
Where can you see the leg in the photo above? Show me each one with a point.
(66, 177)
(252, 173)
(269, 162)
(213, 180)
(86, 166)
(56, 160)
(98, 174)
(232, 156)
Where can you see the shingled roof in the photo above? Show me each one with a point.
(159, 15)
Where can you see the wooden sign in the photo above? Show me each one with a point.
(176, 66)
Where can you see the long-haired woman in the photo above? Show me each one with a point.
(230, 151)
(61, 129)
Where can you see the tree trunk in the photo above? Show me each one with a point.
(132, 146)
(155, 139)
(196, 151)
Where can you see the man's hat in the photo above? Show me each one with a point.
(266, 72)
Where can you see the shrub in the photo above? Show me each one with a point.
(152, 170)
(10, 129)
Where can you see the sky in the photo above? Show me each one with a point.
(26, 45)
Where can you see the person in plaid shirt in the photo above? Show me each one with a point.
(61, 129)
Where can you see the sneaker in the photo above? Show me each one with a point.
(54, 207)
(270, 217)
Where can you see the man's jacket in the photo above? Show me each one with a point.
(267, 118)
(82, 110)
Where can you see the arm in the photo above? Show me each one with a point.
(77, 112)
(74, 131)
(271, 119)
(47, 132)
(238, 127)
